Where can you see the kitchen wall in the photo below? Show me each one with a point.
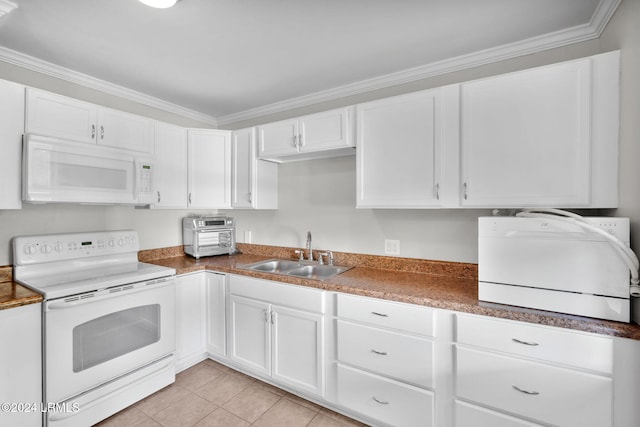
(320, 195)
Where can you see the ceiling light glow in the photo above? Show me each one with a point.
(160, 4)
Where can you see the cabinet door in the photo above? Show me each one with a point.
(398, 155)
(209, 165)
(11, 129)
(298, 349)
(171, 166)
(21, 364)
(216, 336)
(327, 130)
(250, 334)
(255, 182)
(123, 130)
(526, 138)
(190, 320)
(59, 116)
(279, 138)
(243, 152)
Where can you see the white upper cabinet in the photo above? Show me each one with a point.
(62, 117)
(11, 128)
(542, 137)
(254, 182)
(123, 130)
(326, 134)
(171, 166)
(546, 137)
(209, 169)
(400, 149)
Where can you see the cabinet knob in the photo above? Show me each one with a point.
(101, 132)
(93, 131)
(381, 353)
(295, 140)
(465, 191)
(158, 197)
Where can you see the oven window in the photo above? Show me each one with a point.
(114, 335)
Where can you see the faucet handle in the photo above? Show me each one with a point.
(320, 255)
(329, 255)
(300, 254)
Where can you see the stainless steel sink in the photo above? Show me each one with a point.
(318, 271)
(307, 269)
(274, 265)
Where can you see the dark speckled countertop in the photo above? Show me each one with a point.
(12, 294)
(437, 284)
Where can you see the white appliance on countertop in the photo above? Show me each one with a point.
(108, 322)
(58, 171)
(556, 264)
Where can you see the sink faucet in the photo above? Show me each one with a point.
(309, 246)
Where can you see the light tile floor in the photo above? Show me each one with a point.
(212, 395)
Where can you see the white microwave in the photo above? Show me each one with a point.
(59, 171)
(553, 265)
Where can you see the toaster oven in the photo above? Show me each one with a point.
(208, 236)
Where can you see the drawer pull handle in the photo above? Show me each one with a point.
(381, 353)
(529, 343)
(382, 402)
(379, 314)
(530, 393)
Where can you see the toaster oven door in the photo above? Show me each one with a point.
(213, 242)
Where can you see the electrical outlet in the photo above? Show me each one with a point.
(247, 236)
(392, 247)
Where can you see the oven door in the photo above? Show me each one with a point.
(93, 338)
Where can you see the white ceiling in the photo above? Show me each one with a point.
(233, 59)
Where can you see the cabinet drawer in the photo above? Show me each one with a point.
(278, 293)
(406, 317)
(540, 342)
(406, 358)
(385, 400)
(474, 416)
(542, 392)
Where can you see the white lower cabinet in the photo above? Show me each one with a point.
(276, 330)
(395, 364)
(385, 360)
(191, 314)
(215, 284)
(538, 374)
(388, 401)
(21, 366)
(468, 415)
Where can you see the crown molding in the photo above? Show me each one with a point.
(7, 6)
(603, 13)
(592, 30)
(52, 70)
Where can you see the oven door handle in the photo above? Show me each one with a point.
(61, 305)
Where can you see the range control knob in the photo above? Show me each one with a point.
(30, 249)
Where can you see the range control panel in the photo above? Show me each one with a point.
(62, 247)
